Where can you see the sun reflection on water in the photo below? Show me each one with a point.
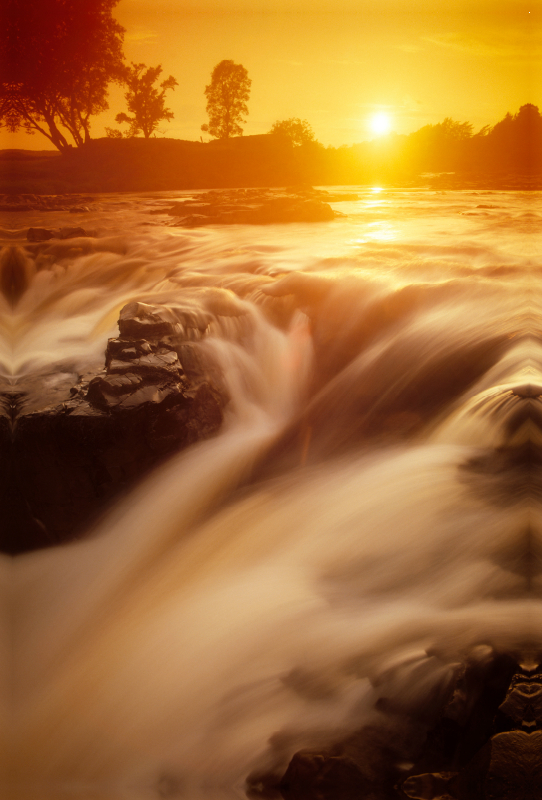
(382, 231)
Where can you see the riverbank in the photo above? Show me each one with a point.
(138, 165)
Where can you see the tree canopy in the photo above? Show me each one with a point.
(297, 130)
(145, 101)
(227, 97)
(58, 57)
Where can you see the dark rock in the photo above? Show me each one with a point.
(317, 775)
(430, 785)
(256, 207)
(33, 202)
(464, 755)
(72, 233)
(143, 321)
(16, 271)
(39, 234)
(74, 442)
(515, 767)
(507, 766)
(366, 769)
(44, 234)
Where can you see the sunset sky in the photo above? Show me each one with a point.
(338, 63)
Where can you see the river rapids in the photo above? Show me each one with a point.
(367, 520)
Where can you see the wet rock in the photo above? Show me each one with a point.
(255, 207)
(16, 272)
(484, 745)
(365, 768)
(33, 202)
(143, 321)
(75, 441)
(44, 234)
(430, 785)
(317, 775)
(515, 766)
(506, 767)
(39, 234)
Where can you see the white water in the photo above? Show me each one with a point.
(252, 599)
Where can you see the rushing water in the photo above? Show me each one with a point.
(366, 519)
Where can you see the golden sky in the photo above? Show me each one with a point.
(336, 63)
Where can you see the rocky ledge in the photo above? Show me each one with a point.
(256, 207)
(75, 441)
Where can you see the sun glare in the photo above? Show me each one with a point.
(380, 123)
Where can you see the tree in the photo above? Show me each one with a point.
(145, 101)
(297, 130)
(58, 57)
(227, 97)
(451, 129)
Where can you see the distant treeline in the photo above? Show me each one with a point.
(507, 155)
(512, 146)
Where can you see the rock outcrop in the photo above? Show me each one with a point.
(255, 207)
(74, 442)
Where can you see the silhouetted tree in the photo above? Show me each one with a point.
(145, 101)
(227, 97)
(58, 57)
(297, 130)
(450, 129)
(515, 142)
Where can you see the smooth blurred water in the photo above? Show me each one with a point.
(364, 521)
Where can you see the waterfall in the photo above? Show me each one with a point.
(365, 522)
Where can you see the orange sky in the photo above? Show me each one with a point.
(335, 63)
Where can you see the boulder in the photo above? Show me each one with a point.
(75, 441)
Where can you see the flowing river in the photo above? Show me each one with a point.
(366, 520)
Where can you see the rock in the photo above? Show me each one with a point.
(72, 233)
(33, 202)
(255, 207)
(465, 755)
(515, 767)
(44, 234)
(429, 785)
(16, 271)
(344, 772)
(143, 321)
(39, 234)
(507, 766)
(74, 442)
(316, 775)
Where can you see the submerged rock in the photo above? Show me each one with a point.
(75, 441)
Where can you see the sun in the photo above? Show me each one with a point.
(380, 123)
